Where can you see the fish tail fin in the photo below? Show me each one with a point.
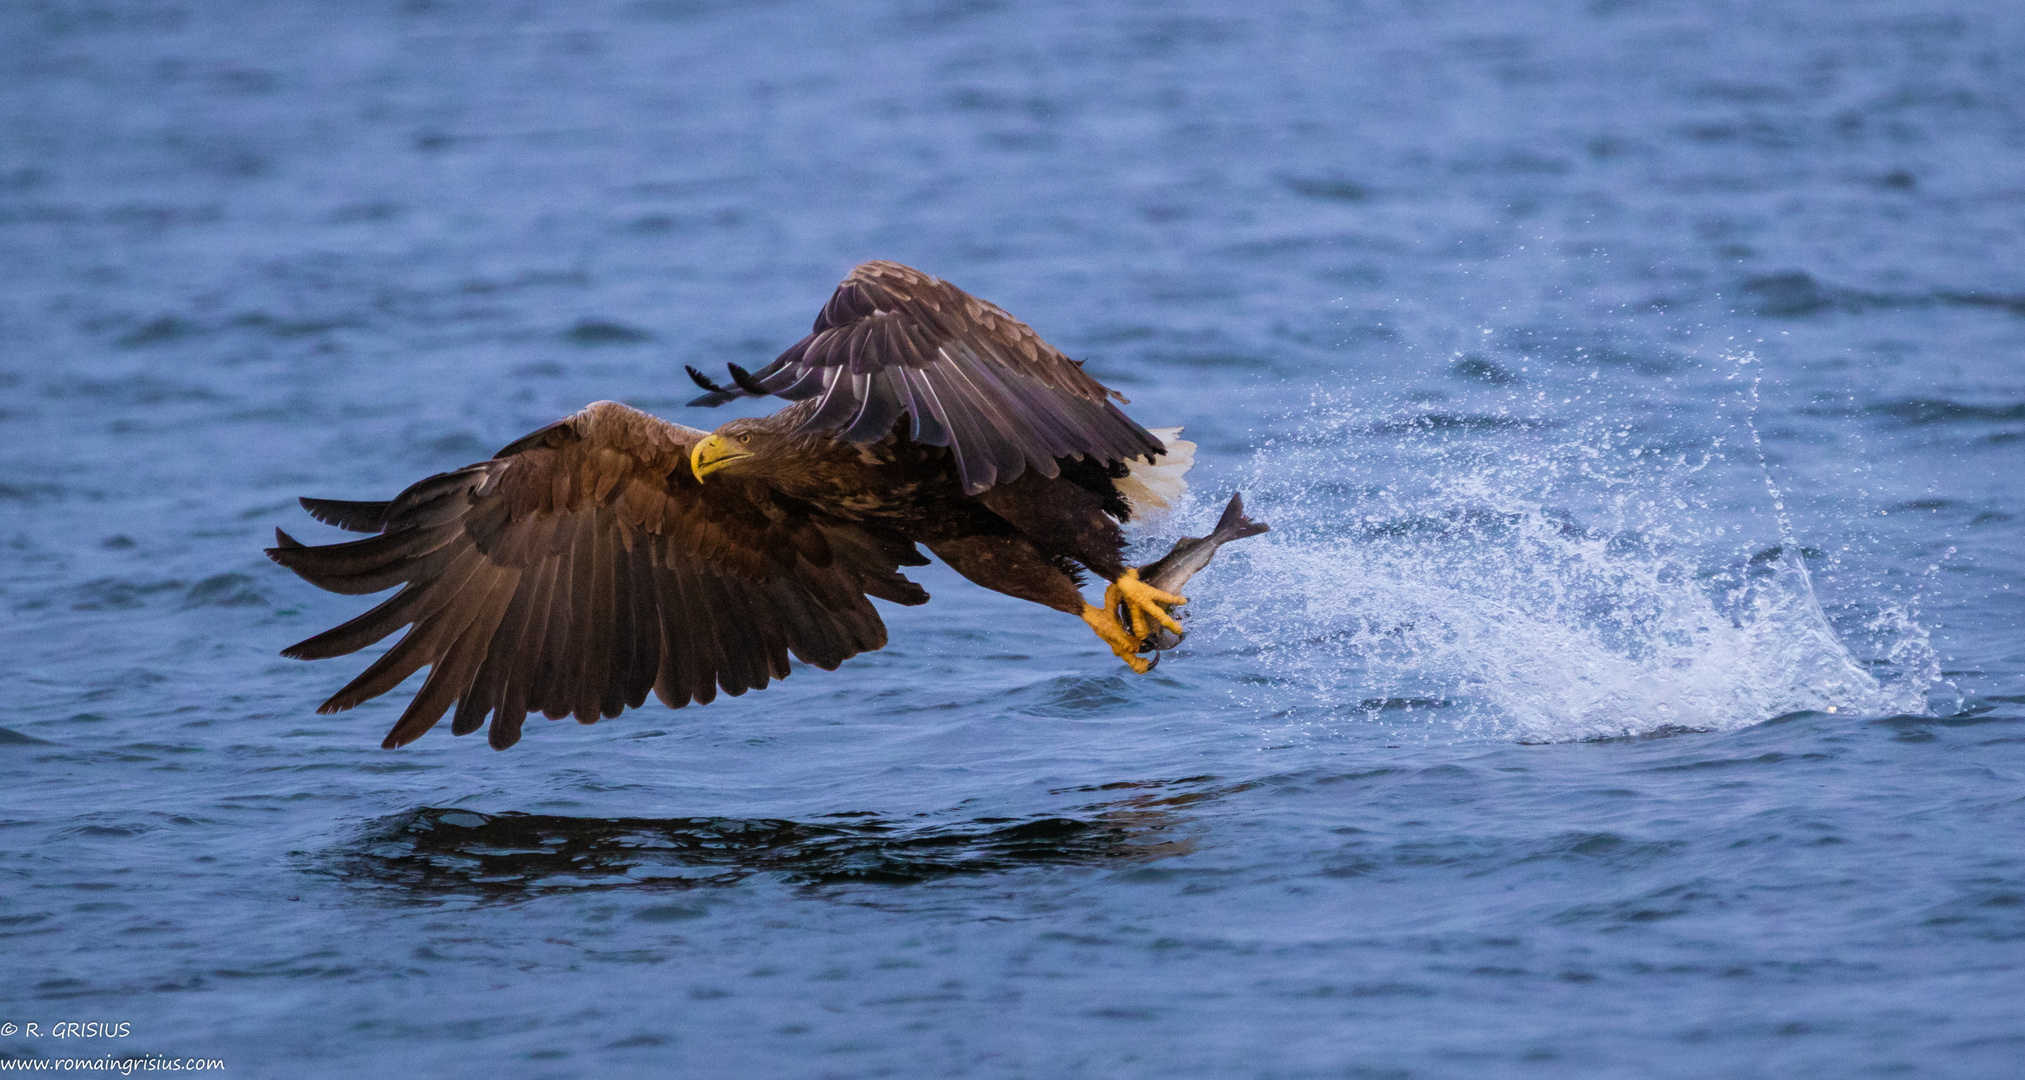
(1153, 487)
(1234, 525)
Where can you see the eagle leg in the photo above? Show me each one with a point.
(1147, 606)
(1114, 634)
(1013, 565)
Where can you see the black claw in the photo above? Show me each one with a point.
(703, 380)
(746, 382)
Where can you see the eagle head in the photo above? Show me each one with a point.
(726, 448)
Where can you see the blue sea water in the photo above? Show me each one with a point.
(1632, 683)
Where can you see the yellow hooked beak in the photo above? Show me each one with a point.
(712, 454)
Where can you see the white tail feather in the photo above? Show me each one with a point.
(1153, 488)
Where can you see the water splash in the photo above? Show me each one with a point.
(1539, 578)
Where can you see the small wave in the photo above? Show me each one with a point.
(1920, 412)
(1795, 293)
(225, 590)
(116, 594)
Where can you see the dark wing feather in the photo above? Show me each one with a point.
(585, 568)
(351, 516)
(894, 342)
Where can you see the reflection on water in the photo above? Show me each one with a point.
(450, 850)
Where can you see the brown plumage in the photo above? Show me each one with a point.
(894, 342)
(614, 554)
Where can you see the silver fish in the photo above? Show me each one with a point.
(1186, 559)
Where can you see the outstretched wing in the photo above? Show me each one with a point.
(585, 566)
(895, 342)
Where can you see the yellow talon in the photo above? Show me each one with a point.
(1143, 604)
(1123, 644)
